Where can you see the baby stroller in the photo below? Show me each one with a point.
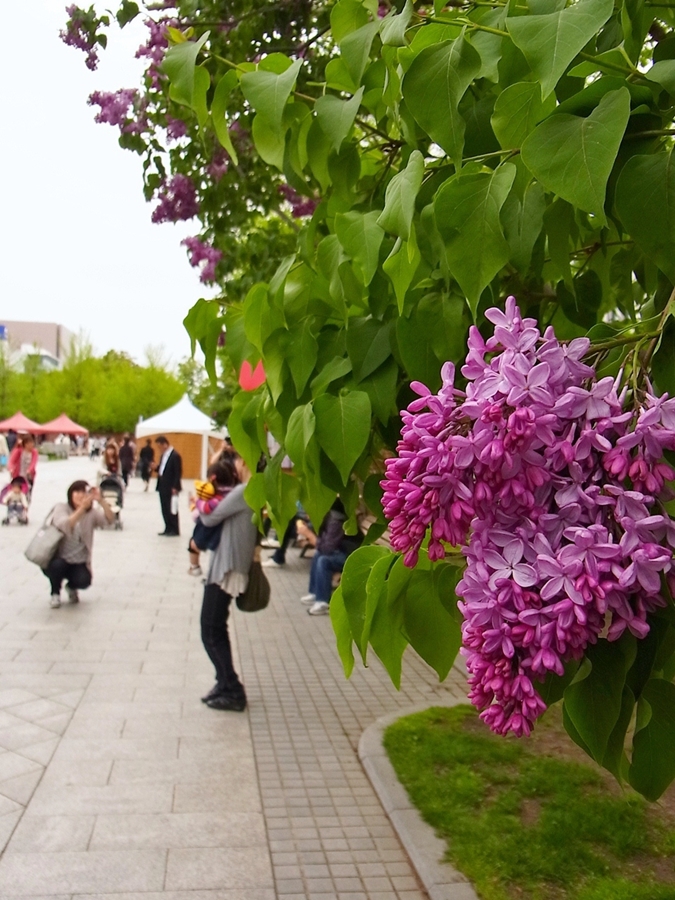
(112, 491)
(17, 502)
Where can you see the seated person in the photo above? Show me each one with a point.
(333, 547)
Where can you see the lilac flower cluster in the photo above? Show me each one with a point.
(175, 128)
(553, 482)
(81, 32)
(218, 166)
(301, 207)
(120, 108)
(155, 48)
(199, 252)
(177, 200)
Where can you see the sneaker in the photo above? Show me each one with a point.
(271, 563)
(320, 608)
(270, 543)
(73, 596)
(308, 599)
(55, 601)
(195, 570)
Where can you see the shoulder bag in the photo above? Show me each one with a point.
(257, 593)
(44, 545)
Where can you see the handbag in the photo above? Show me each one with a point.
(257, 593)
(45, 543)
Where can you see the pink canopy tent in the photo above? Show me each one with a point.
(63, 424)
(19, 422)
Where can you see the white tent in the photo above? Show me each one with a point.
(183, 420)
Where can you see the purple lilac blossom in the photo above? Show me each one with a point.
(301, 207)
(117, 109)
(177, 200)
(80, 32)
(155, 48)
(199, 252)
(554, 484)
(175, 128)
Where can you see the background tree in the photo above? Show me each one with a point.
(449, 155)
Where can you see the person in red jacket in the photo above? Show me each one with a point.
(23, 459)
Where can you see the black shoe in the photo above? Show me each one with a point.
(227, 702)
(214, 692)
(162, 533)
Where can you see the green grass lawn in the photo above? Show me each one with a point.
(523, 822)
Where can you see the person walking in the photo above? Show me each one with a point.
(147, 458)
(77, 519)
(110, 461)
(169, 474)
(127, 458)
(226, 579)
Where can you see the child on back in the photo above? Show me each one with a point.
(221, 477)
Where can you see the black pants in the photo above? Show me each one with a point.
(216, 640)
(125, 476)
(78, 574)
(291, 533)
(170, 521)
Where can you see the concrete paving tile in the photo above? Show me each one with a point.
(204, 797)
(23, 735)
(36, 710)
(248, 894)
(13, 764)
(225, 771)
(50, 800)
(76, 872)
(12, 696)
(21, 787)
(180, 830)
(8, 823)
(64, 772)
(51, 834)
(119, 748)
(218, 868)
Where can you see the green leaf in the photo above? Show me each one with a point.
(246, 408)
(645, 200)
(301, 355)
(467, 211)
(343, 428)
(299, 432)
(368, 345)
(218, 112)
(663, 73)
(400, 196)
(268, 92)
(282, 492)
(401, 266)
(261, 318)
(179, 65)
(353, 583)
(386, 635)
(336, 368)
(127, 12)
(336, 116)
(355, 49)
(256, 497)
(269, 142)
(340, 622)
(345, 17)
(573, 157)
(361, 238)
(615, 760)
(436, 82)
(594, 699)
(652, 766)
(381, 388)
(437, 645)
(204, 323)
(416, 349)
(394, 27)
(549, 43)
(518, 110)
(523, 221)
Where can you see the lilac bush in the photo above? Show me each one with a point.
(553, 482)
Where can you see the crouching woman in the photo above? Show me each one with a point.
(77, 519)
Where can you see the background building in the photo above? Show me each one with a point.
(48, 340)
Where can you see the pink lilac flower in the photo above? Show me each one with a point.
(554, 483)
(199, 252)
(301, 207)
(177, 200)
(121, 108)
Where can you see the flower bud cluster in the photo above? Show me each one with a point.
(553, 482)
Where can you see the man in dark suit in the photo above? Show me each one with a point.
(169, 473)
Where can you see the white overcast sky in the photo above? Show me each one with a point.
(76, 242)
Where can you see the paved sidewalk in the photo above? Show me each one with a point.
(117, 783)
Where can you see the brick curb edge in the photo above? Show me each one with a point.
(440, 880)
